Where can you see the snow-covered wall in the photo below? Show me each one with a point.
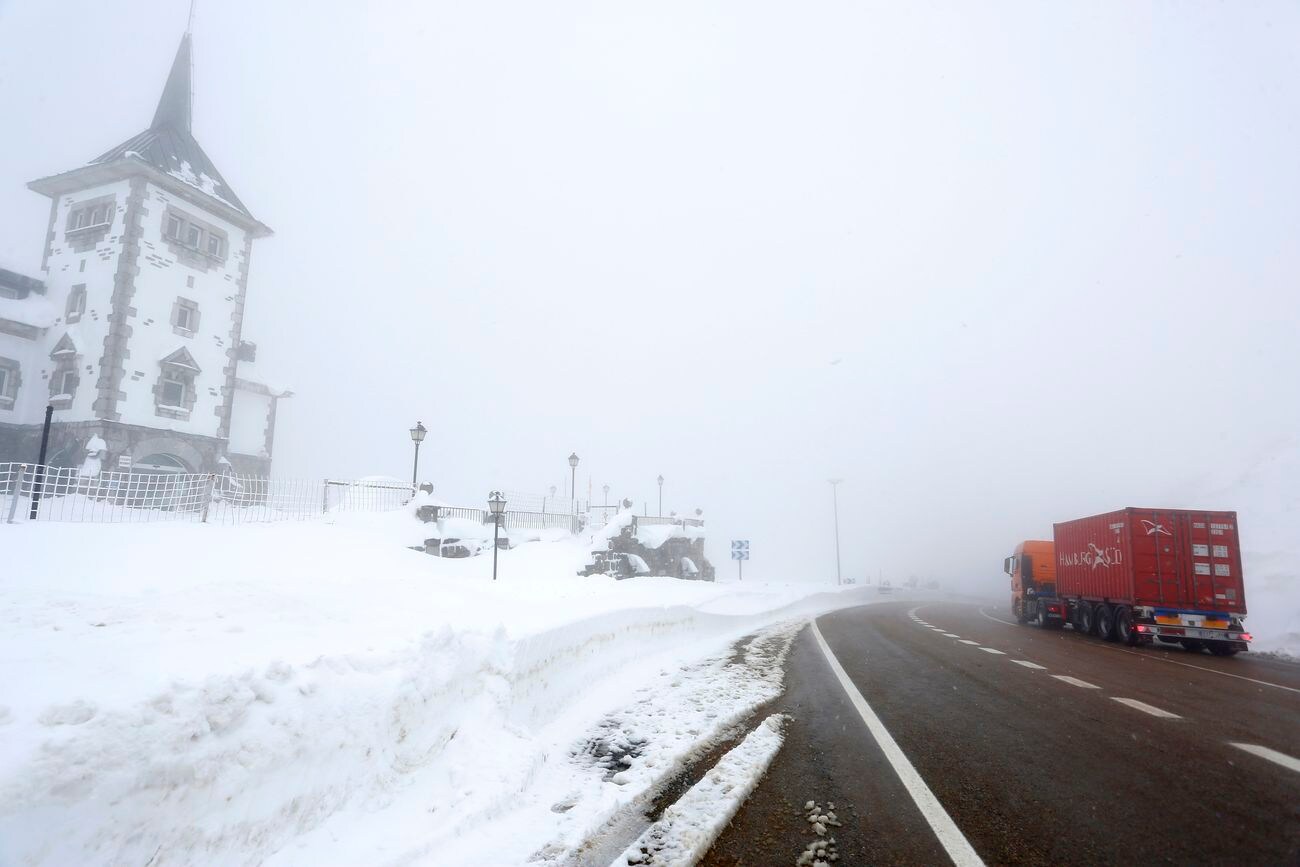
(88, 258)
(248, 425)
(169, 272)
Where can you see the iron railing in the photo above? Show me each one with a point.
(31, 492)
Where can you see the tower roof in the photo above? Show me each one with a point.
(169, 144)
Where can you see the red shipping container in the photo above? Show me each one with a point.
(1158, 558)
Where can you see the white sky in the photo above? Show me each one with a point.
(1055, 246)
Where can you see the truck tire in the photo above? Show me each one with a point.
(1192, 644)
(1221, 648)
(1105, 622)
(1040, 616)
(1124, 633)
(1087, 619)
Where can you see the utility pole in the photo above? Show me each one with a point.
(835, 500)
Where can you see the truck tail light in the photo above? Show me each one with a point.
(1142, 627)
(1246, 636)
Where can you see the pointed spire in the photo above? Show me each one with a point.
(174, 106)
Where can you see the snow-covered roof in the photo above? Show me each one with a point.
(34, 310)
(169, 144)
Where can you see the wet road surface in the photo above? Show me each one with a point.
(1040, 746)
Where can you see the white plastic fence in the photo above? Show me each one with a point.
(32, 492)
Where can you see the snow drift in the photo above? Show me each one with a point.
(197, 694)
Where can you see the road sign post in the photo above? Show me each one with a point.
(740, 553)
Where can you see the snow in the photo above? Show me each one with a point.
(688, 827)
(1266, 498)
(317, 692)
(34, 310)
(654, 535)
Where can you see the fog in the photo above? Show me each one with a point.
(995, 267)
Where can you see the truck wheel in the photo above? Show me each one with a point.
(1018, 609)
(1106, 622)
(1221, 648)
(1087, 619)
(1124, 633)
(1192, 644)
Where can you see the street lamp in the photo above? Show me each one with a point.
(497, 504)
(606, 490)
(573, 479)
(661, 496)
(835, 485)
(417, 437)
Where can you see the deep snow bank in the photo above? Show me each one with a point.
(201, 694)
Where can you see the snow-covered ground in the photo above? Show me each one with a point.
(1266, 497)
(317, 693)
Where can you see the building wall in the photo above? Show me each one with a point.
(134, 277)
(166, 272)
(76, 259)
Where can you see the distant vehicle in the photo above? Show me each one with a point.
(1136, 576)
(885, 587)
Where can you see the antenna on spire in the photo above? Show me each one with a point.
(189, 24)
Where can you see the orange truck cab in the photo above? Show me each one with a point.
(1033, 576)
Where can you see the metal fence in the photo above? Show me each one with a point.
(544, 504)
(513, 520)
(30, 492)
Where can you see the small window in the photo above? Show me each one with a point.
(174, 227)
(77, 302)
(99, 216)
(216, 245)
(173, 389)
(65, 382)
(193, 236)
(185, 317)
(8, 382)
(78, 219)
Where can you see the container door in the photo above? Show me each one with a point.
(1161, 570)
(1216, 561)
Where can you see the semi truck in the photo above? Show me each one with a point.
(1137, 576)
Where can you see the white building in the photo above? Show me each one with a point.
(135, 333)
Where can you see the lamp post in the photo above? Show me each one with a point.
(497, 504)
(573, 480)
(417, 437)
(606, 490)
(835, 500)
(661, 495)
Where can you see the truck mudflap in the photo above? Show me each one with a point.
(1198, 633)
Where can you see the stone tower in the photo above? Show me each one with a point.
(146, 261)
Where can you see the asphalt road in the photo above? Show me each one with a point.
(1089, 754)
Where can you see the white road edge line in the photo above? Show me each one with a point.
(1145, 708)
(1074, 681)
(988, 616)
(1027, 664)
(1272, 755)
(992, 650)
(950, 836)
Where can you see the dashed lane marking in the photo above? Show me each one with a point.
(992, 650)
(1027, 664)
(1157, 655)
(1273, 756)
(1145, 708)
(968, 641)
(950, 836)
(950, 635)
(1074, 681)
